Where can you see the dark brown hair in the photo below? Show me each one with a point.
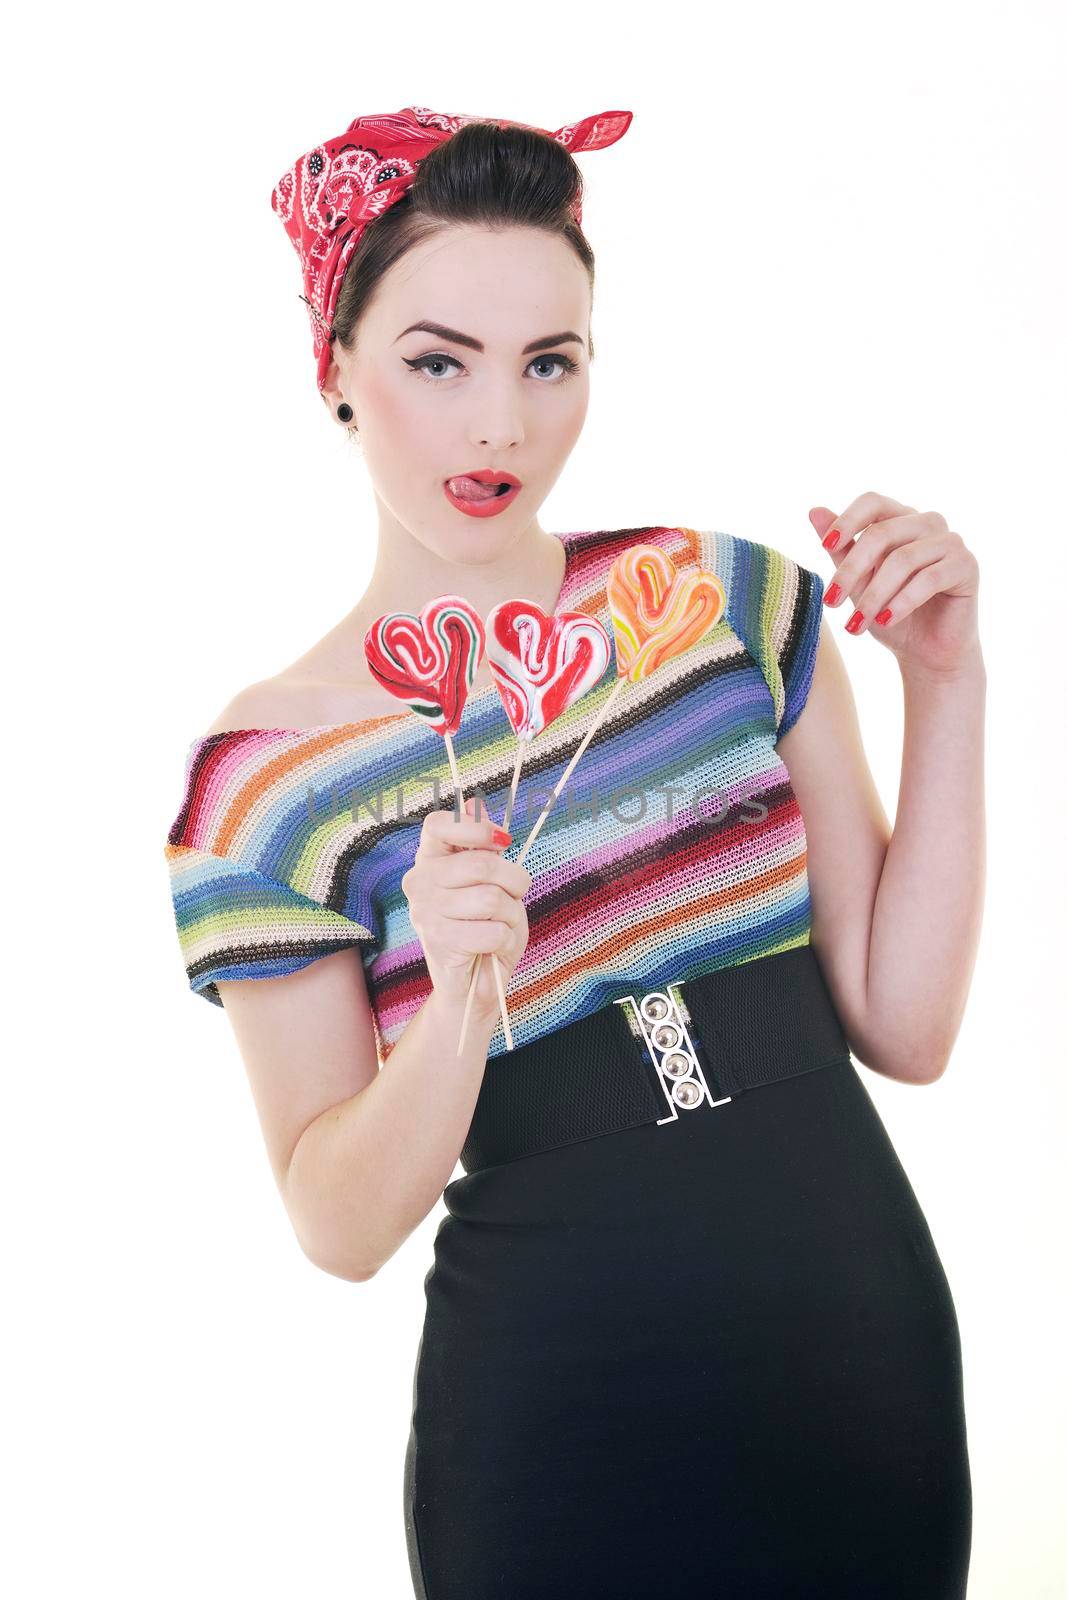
(483, 174)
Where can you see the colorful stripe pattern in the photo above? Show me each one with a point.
(676, 848)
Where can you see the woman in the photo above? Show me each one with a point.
(686, 1329)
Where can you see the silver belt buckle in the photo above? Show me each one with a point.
(660, 1017)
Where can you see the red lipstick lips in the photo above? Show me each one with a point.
(481, 493)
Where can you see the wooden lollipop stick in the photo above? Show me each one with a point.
(510, 807)
(498, 971)
(601, 714)
(572, 763)
(478, 963)
(656, 611)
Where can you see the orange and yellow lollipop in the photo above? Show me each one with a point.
(657, 611)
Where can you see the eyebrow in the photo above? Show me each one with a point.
(452, 334)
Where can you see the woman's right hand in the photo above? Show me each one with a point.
(466, 900)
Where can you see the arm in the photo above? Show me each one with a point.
(361, 1154)
(896, 911)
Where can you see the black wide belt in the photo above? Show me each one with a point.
(655, 1055)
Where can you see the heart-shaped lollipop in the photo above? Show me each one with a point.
(543, 664)
(430, 660)
(657, 611)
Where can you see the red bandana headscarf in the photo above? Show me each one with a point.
(330, 195)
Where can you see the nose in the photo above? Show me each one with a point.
(497, 424)
(498, 437)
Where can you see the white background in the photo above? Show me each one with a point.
(829, 260)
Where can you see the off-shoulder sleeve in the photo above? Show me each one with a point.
(236, 922)
(775, 605)
(264, 880)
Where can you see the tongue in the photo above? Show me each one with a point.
(471, 489)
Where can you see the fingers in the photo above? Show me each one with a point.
(465, 899)
(837, 533)
(480, 866)
(939, 565)
(875, 560)
(476, 921)
(443, 883)
(473, 938)
(443, 832)
(481, 902)
(451, 881)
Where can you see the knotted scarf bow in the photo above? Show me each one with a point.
(331, 193)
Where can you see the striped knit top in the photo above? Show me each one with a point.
(676, 847)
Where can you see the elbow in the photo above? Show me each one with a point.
(330, 1254)
(916, 1064)
(348, 1274)
(325, 1242)
(922, 1067)
(336, 1263)
(932, 1069)
(931, 1058)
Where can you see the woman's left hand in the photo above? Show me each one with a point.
(913, 582)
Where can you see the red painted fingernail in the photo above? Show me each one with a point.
(833, 593)
(501, 835)
(832, 538)
(854, 623)
(884, 616)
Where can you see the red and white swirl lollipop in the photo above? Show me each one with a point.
(541, 665)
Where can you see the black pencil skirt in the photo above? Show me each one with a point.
(716, 1355)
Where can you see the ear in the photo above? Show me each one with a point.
(331, 389)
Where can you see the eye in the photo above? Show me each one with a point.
(422, 364)
(566, 364)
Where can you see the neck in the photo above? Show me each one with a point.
(481, 568)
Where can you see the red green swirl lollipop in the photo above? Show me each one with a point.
(429, 661)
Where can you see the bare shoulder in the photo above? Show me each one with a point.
(270, 703)
(327, 686)
(300, 700)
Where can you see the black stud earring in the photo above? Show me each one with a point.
(344, 412)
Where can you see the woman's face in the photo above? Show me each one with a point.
(430, 406)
